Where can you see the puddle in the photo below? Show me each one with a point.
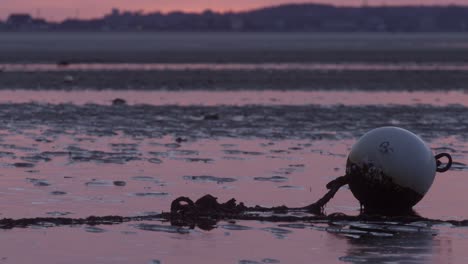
(206, 178)
(162, 228)
(301, 244)
(150, 194)
(271, 179)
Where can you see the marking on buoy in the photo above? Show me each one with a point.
(385, 148)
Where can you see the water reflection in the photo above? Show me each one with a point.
(415, 247)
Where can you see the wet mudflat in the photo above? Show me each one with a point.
(267, 119)
(233, 61)
(70, 159)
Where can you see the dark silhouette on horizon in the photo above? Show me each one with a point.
(283, 18)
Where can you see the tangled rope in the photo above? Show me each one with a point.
(207, 211)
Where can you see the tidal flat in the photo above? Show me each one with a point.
(123, 129)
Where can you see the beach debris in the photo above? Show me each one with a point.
(391, 169)
(119, 101)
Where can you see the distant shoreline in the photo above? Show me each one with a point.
(282, 18)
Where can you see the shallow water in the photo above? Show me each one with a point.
(342, 66)
(63, 157)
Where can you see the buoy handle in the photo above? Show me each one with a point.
(447, 166)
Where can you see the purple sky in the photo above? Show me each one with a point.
(60, 9)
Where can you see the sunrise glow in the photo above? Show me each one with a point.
(62, 9)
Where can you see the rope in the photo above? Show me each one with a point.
(206, 212)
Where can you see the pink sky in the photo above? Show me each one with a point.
(60, 9)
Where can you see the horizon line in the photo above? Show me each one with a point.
(227, 11)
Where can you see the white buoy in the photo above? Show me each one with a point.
(390, 169)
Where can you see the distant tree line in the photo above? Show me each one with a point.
(292, 17)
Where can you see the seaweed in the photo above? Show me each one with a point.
(206, 212)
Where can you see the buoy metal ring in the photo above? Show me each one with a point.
(439, 163)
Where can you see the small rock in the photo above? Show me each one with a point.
(119, 101)
(120, 183)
